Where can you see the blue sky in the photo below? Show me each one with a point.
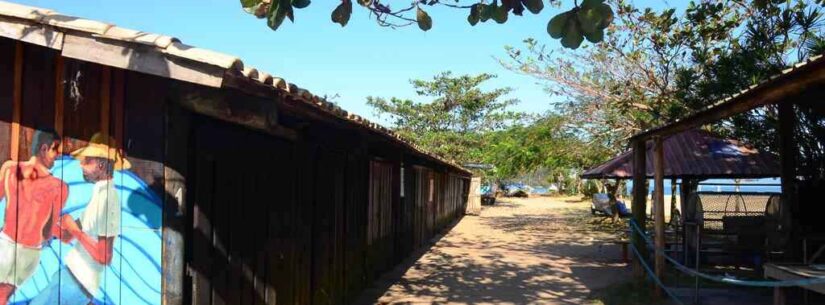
(359, 60)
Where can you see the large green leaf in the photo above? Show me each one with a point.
(607, 15)
(275, 15)
(534, 6)
(473, 18)
(300, 3)
(556, 25)
(500, 14)
(251, 6)
(589, 19)
(250, 3)
(572, 35)
(595, 36)
(342, 13)
(485, 11)
(287, 7)
(424, 20)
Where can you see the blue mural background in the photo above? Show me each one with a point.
(134, 276)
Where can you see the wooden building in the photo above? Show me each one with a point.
(230, 186)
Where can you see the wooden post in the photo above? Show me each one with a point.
(59, 93)
(686, 190)
(174, 204)
(673, 186)
(787, 158)
(659, 209)
(639, 202)
(17, 102)
(105, 102)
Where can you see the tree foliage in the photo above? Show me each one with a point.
(586, 20)
(545, 142)
(457, 119)
(656, 66)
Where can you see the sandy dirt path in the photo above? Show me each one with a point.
(523, 251)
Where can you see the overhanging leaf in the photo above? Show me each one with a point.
(500, 14)
(275, 15)
(556, 25)
(534, 6)
(250, 3)
(300, 3)
(473, 18)
(342, 13)
(425, 23)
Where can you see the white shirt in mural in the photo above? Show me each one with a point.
(101, 218)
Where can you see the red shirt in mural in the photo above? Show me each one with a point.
(34, 199)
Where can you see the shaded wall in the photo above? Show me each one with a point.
(210, 212)
(83, 102)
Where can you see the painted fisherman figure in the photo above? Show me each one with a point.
(78, 281)
(34, 199)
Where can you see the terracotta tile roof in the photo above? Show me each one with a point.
(23, 20)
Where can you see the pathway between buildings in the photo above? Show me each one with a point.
(523, 251)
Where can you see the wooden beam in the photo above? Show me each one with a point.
(105, 102)
(788, 162)
(59, 95)
(30, 32)
(118, 102)
(233, 107)
(659, 209)
(174, 204)
(639, 201)
(781, 89)
(17, 102)
(145, 59)
(689, 207)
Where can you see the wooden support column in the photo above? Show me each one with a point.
(105, 103)
(688, 221)
(787, 159)
(59, 94)
(17, 102)
(639, 201)
(659, 209)
(174, 204)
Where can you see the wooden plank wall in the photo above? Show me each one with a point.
(42, 91)
(264, 220)
(335, 217)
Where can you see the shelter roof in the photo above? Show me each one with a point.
(108, 44)
(695, 154)
(787, 85)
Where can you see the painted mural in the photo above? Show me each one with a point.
(77, 228)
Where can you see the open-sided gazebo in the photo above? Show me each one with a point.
(795, 94)
(692, 156)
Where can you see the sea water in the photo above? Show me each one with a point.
(764, 185)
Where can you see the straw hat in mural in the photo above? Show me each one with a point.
(98, 148)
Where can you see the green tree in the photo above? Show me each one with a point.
(546, 144)
(455, 122)
(656, 66)
(772, 37)
(587, 19)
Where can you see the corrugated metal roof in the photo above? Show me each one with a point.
(28, 19)
(695, 154)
